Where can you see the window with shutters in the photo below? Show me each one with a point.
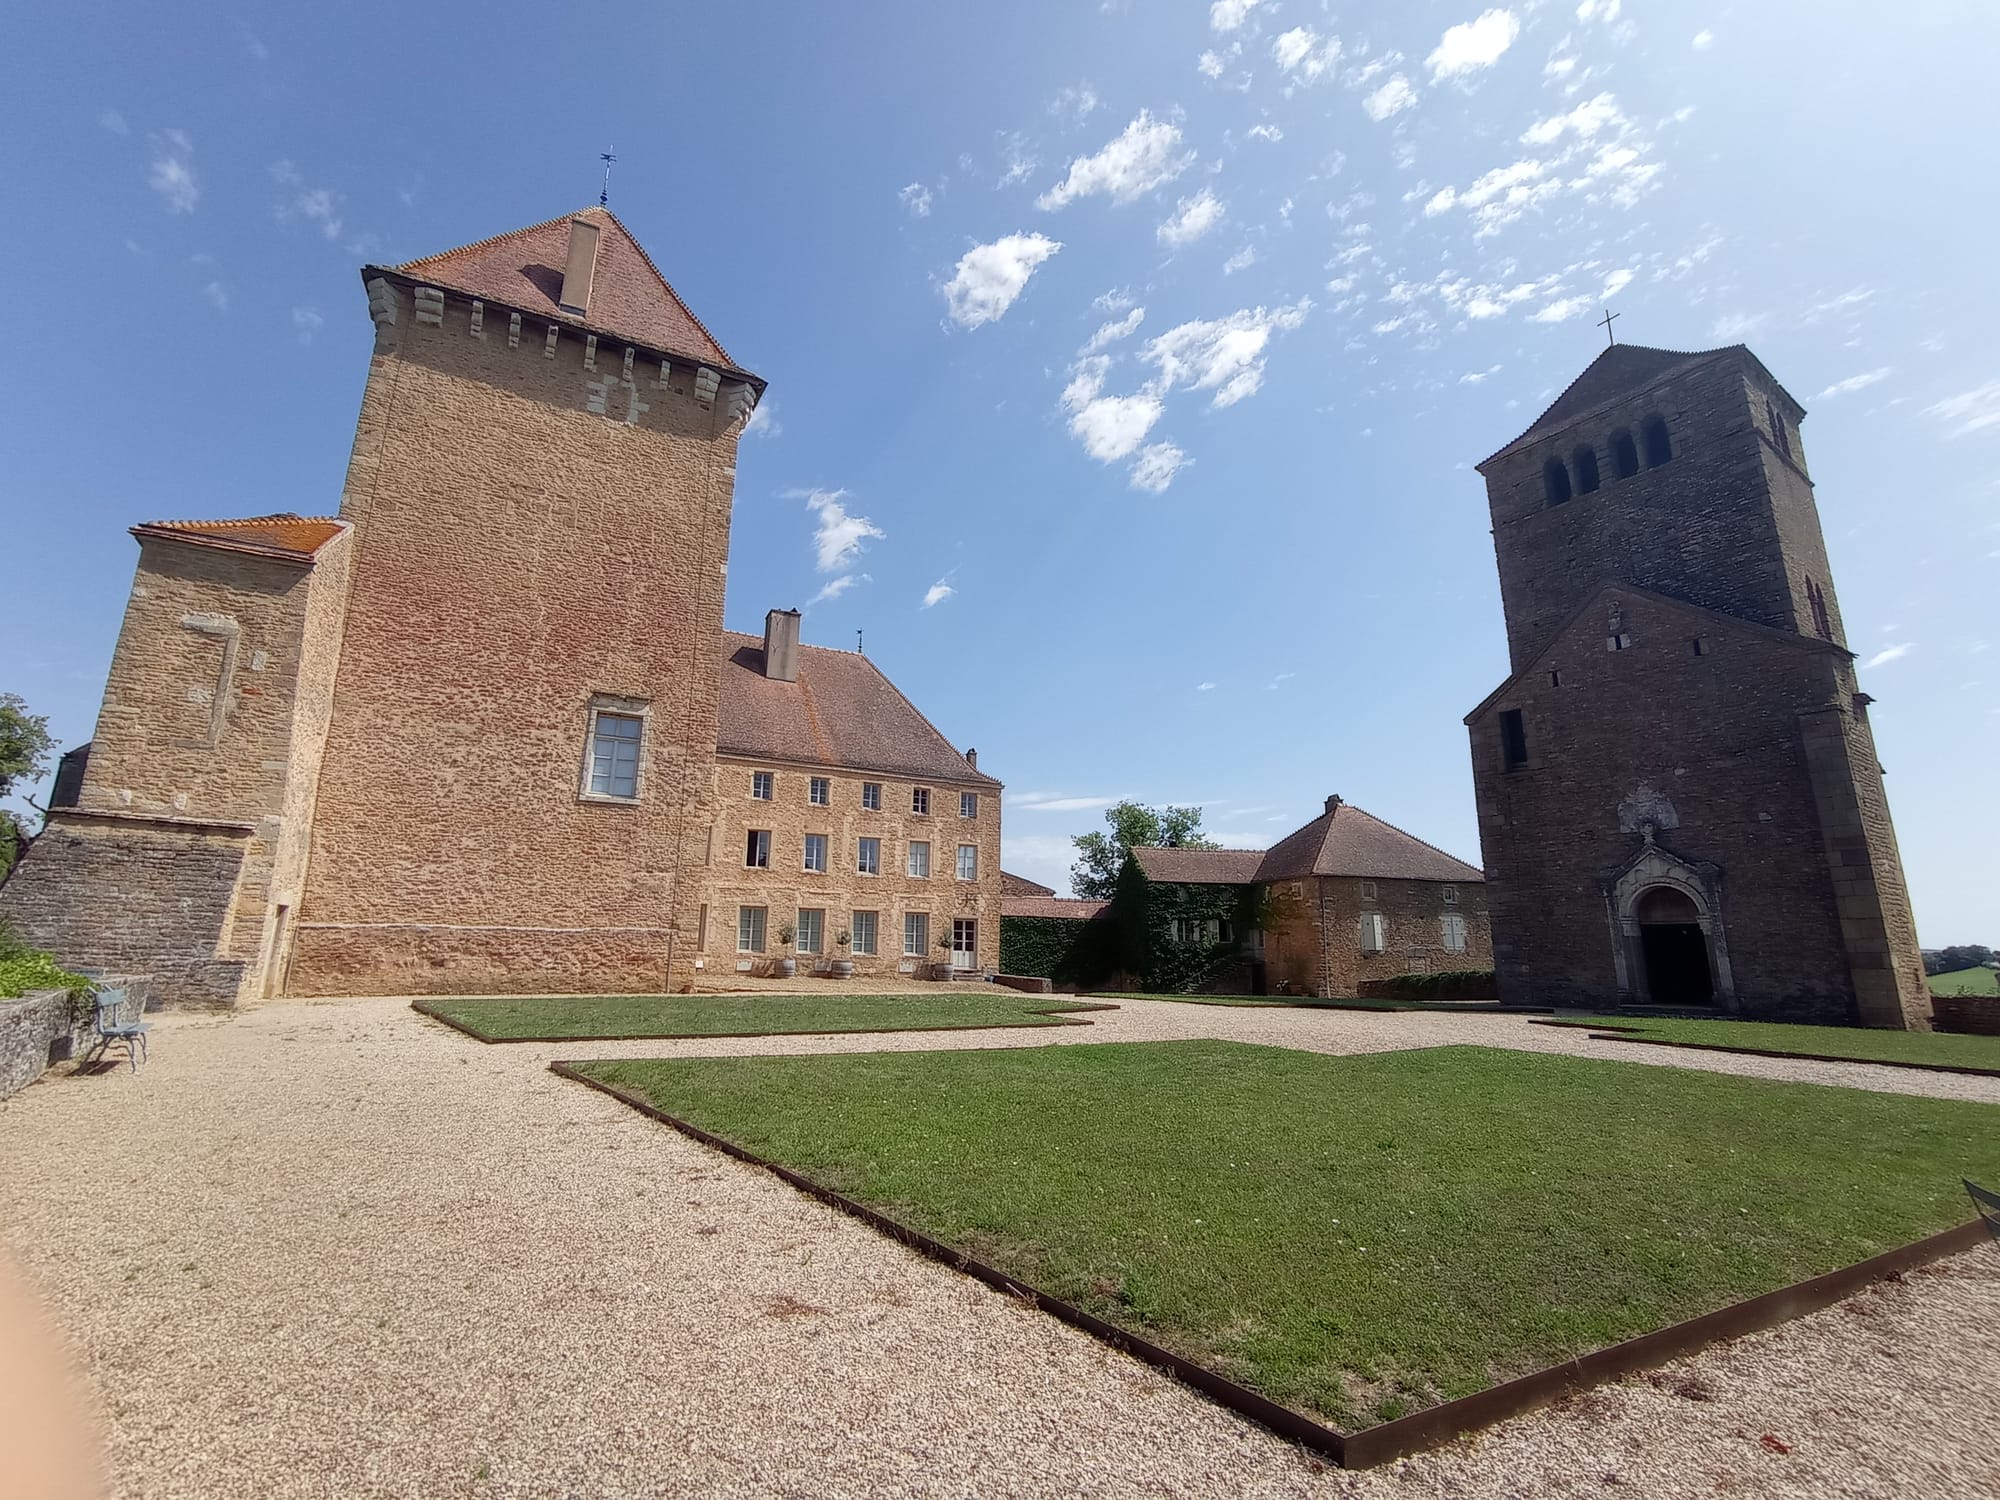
(863, 934)
(1372, 932)
(1454, 932)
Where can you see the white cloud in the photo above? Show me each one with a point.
(990, 277)
(1051, 802)
(1146, 154)
(838, 536)
(1473, 45)
(218, 295)
(320, 206)
(1111, 332)
(1020, 160)
(1074, 103)
(1156, 467)
(1265, 132)
(172, 172)
(1477, 377)
(1204, 687)
(1393, 97)
(1597, 10)
(1854, 297)
(1561, 311)
(1242, 260)
(1192, 218)
(1616, 282)
(1223, 355)
(1116, 300)
(1283, 677)
(1854, 383)
(916, 198)
(937, 593)
(1704, 39)
(1305, 54)
(114, 122)
(1972, 411)
(1585, 121)
(1109, 427)
(1209, 65)
(1227, 15)
(1733, 328)
(307, 321)
(835, 587)
(763, 421)
(1888, 654)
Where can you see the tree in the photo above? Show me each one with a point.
(1958, 956)
(25, 747)
(1100, 856)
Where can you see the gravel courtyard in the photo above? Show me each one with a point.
(337, 1249)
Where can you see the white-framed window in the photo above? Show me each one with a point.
(868, 857)
(968, 861)
(757, 849)
(1205, 930)
(916, 933)
(761, 785)
(812, 928)
(968, 804)
(920, 800)
(863, 933)
(750, 929)
(611, 768)
(917, 863)
(820, 791)
(1373, 932)
(1454, 932)
(1367, 890)
(1451, 895)
(871, 795)
(816, 853)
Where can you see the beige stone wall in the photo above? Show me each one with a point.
(533, 529)
(1413, 929)
(786, 887)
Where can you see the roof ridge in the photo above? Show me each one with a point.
(1413, 838)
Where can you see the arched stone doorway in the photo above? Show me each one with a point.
(1673, 948)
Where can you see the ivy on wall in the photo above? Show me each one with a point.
(1062, 950)
(1144, 912)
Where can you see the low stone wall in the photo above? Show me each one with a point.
(36, 1031)
(1028, 983)
(1976, 1015)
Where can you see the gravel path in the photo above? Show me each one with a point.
(337, 1249)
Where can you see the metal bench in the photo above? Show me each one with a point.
(114, 1028)
(1987, 1203)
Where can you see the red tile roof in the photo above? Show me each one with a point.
(1019, 885)
(629, 298)
(1061, 907)
(1343, 842)
(279, 535)
(840, 712)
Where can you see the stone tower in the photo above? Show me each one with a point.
(540, 495)
(1678, 793)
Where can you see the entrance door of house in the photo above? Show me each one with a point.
(964, 943)
(1674, 949)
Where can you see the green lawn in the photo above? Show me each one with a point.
(1966, 982)
(602, 1017)
(1355, 1236)
(1858, 1043)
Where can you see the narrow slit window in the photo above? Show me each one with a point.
(1584, 461)
(1513, 739)
(1555, 482)
(1624, 454)
(1658, 448)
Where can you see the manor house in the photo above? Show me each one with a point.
(483, 731)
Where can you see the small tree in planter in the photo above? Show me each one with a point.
(843, 966)
(788, 965)
(944, 964)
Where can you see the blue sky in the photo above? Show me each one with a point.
(1127, 361)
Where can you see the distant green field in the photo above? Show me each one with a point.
(1966, 982)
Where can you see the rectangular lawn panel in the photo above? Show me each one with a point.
(606, 1017)
(1859, 1044)
(1355, 1237)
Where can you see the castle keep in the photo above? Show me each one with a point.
(464, 737)
(1678, 794)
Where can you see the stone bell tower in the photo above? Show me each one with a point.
(1678, 792)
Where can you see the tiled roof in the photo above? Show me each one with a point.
(840, 712)
(1062, 907)
(1348, 841)
(281, 535)
(1620, 370)
(629, 298)
(1019, 885)
(1199, 866)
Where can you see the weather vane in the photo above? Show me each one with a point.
(1605, 324)
(604, 193)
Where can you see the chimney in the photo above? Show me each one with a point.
(582, 265)
(1332, 805)
(781, 645)
(972, 759)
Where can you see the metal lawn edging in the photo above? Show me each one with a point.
(1600, 1032)
(1385, 1441)
(1058, 1017)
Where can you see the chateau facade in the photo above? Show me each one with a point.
(483, 732)
(1678, 793)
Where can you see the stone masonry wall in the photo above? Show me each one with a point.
(536, 524)
(786, 886)
(1315, 941)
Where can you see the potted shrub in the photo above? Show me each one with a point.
(843, 966)
(788, 965)
(944, 964)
